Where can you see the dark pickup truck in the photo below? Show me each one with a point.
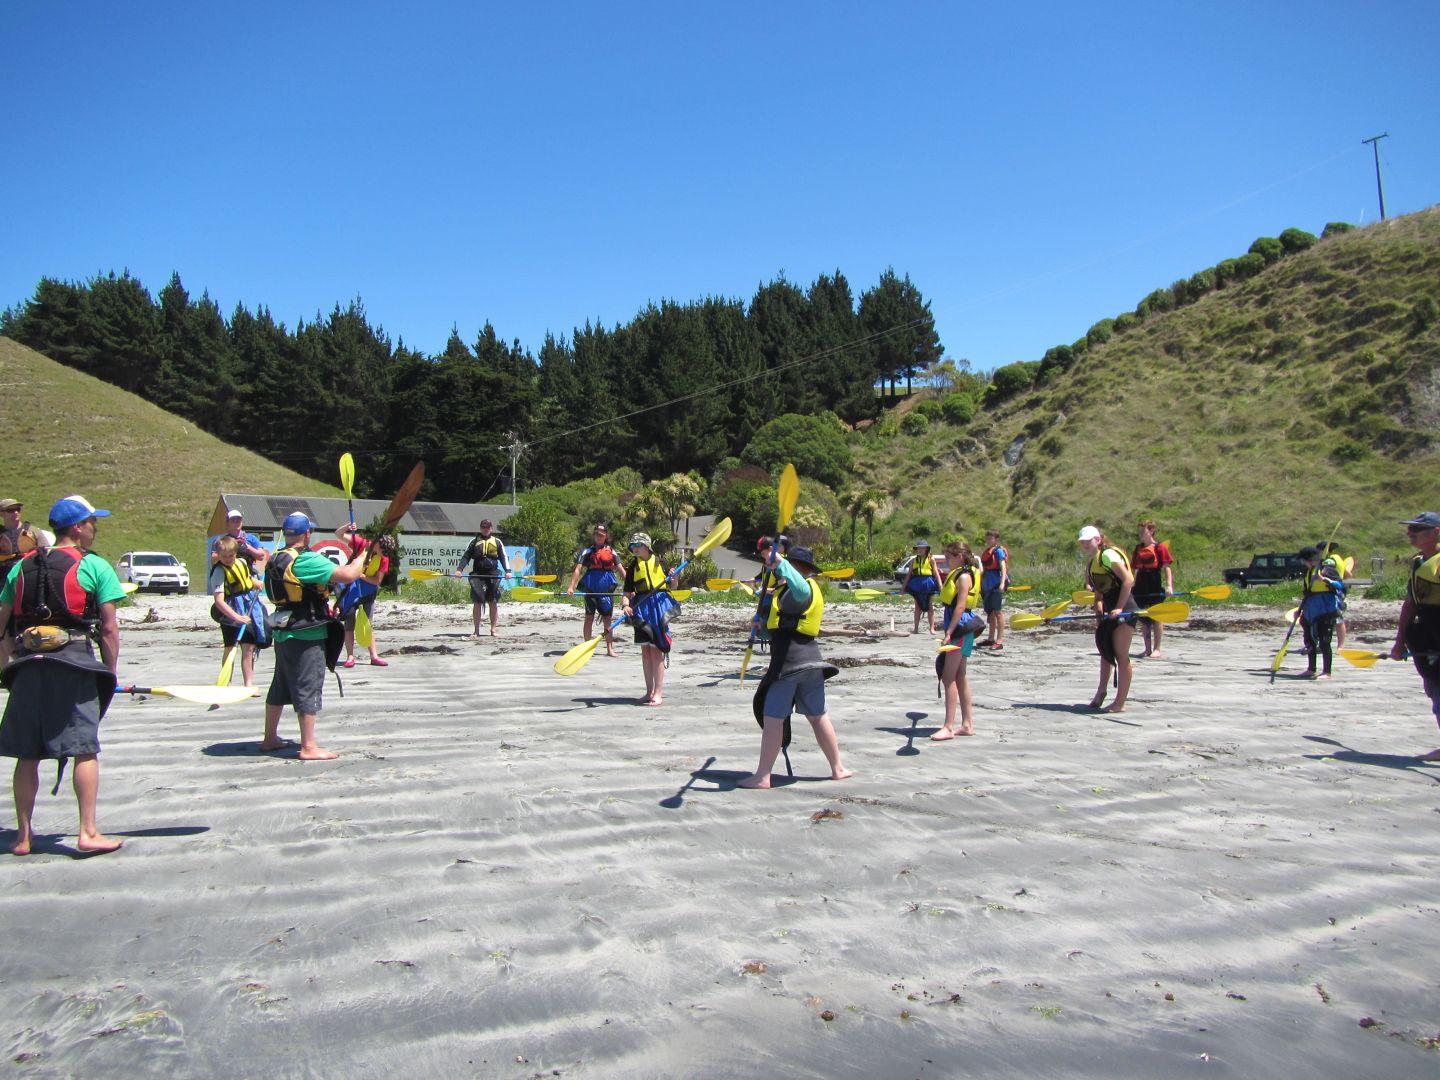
(1269, 569)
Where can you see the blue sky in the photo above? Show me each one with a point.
(1031, 170)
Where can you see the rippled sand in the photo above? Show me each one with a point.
(507, 873)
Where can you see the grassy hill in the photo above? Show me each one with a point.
(67, 432)
(1251, 419)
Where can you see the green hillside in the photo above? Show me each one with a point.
(67, 433)
(1252, 418)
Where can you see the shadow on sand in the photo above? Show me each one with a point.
(1078, 710)
(1403, 762)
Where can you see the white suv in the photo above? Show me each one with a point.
(158, 570)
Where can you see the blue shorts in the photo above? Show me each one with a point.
(803, 692)
(600, 605)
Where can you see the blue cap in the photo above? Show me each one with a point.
(72, 510)
(296, 524)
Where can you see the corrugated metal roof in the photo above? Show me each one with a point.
(265, 512)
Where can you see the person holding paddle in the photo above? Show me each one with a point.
(1419, 630)
(647, 607)
(487, 555)
(922, 582)
(358, 600)
(960, 627)
(1109, 578)
(1154, 581)
(62, 600)
(235, 596)
(595, 574)
(1323, 591)
(796, 676)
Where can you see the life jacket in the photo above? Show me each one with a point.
(1147, 558)
(601, 558)
(1425, 580)
(1103, 580)
(804, 626)
(304, 605)
(1339, 563)
(951, 586)
(645, 575)
(923, 566)
(48, 592)
(989, 560)
(1315, 581)
(15, 544)
(238, 579)
(487, 551)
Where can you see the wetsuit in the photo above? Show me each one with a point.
(1319, 611)
(487, 554)
(992, 578)
(1422, 636)
(1106, 584)
(645, 580)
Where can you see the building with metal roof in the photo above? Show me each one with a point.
(266, 513)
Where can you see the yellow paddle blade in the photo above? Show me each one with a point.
(680, 595)
(745, 663)
(227, 667)
(787, 496)
(1364, 657)
(1292, 614)
(425, 575)
(745, 588)
(578, 657)
(718, 534)
(720, 584)
(1279, 657)
(347, 474)
(364, 631)
(1057, 608)
(527, 593)
(843, 574)
(1171, 611)
(130, 587)
(1021, 588)
(949, 648)
(200, 695)
(870, 594)
(1083, 596)
(1212, 592)
(372, 564)
(1026, 620)
(541, 579)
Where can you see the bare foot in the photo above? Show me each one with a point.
(1146, 653)
(97, 843)
(283, 744)
(655, 701)
(494, 633)
(317, 753)
(754, 781)
(1156, 653)
(966, 731)
(22, 847)
(840, 774)
(1434, 755)
(613, 654)
(943, 735)
(644, 700)
(1095, 703)
(1327, 675)
(1117, 707)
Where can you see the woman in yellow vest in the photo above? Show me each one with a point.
(1419, 629)
(961, 625)
(646, 607)
(1108, 576)
(796, 676)
(922, 582)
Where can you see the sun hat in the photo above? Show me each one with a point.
(296, 523)
(1089, 532)
(234, 514)
(636, 539)
(11, 504)
(1428, 520)
(72, 510)
(921, 543)
(802, 555)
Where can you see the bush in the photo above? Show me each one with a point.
(1159, 300)
(1268, 248)
(876, 567)
(814, 444)
(930, 407)
(750, 506)
(1247, 266)
(1335, 228)
(701, 568)
(1424, 313)
(1127, 320)
(539, 525)
(1180, 291)
(1079, 348)
(915, 423)
(1100, 332)
(1226, 270)
(1349, 450)
(1201, 283)
(1011, 379)
(1293, 240)
(958, 408)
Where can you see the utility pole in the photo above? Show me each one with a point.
(1374, 143)
(516, 448)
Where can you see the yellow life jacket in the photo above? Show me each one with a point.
(238, 579)
(306, 605)
(923, 566)
(1425, 580)
(645, 575)
(1103, 580)
(951, 586)
(1315, 581)
(807, 624)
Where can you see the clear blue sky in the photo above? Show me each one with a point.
(538, 167)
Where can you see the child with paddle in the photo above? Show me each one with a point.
(796, 676)
(647, 607)
(1419, 629)
(357, 602)
(595, 571)
(235, 595)
(1154, 581)
(1109, 578)
(1319, 609)
(922, 582)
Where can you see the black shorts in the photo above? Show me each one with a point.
(299, 675)
(600, 605)
(53, 712)
(994, 601)
(368, 604)
(485, 590)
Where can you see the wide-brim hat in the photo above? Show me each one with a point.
(1427, 520)
(636, 539)
(802, 555)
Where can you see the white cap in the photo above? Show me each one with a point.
(234, 513)
(1089, 532)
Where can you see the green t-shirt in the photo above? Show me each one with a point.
(310, 568)
(96, 577)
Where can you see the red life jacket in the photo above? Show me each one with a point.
(989, 560)
(602, 558)
(1149, 556)
(48, 591)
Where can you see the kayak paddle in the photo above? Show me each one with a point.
(200, 695)
(1170, 611)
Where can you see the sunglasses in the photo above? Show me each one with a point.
(1420, 528)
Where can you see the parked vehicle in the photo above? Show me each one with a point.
(158, 570)
(1268, 569)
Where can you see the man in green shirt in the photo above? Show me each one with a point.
(307, 636)
(62, 600)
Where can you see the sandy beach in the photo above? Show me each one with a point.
(507, 873)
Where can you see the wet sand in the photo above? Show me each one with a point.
(507, 873)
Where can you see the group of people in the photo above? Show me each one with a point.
(58, 600)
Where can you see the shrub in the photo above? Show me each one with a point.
(1226, 270)
(915, 423)
(1335, 228)
(1247, 266)
(1126, 320)
(814, 444)
(1011, 379)
(1201, 283)
(1057, 358)
(1268, 248)
(1424, 313)
(958, 408)
(1180, 290)
(543, 527)
(701, 567)
(1159, 300)
(1293, 240)
(1100, 332)
(1349, 450)
(1079, 348)
(930, 407)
